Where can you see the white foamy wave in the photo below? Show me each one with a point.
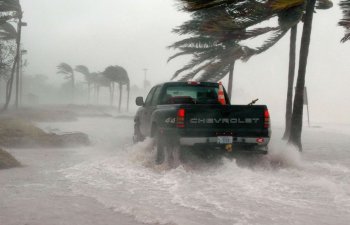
(284, 155)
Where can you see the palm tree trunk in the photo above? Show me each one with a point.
(230, 79)
(10, 84)
(291, 75)
(89, 86)
(128, 99)
(297, 116)
(98, 94)
(73, 88)
(120, 96)
(111, 93)
(113, 88)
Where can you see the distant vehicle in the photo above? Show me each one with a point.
(199, 115)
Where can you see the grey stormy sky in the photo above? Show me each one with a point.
(135, 33)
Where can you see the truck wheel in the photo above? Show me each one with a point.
(137, 137)
(159, 146)
(174, 155)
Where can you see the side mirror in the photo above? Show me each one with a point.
(139, 101)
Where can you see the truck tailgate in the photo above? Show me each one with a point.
(235, 120)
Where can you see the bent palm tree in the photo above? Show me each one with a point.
(119, 75)
(67, 70)
(320, 4)
(282, 8)
(88, 77)
(216, 35)
(11, 9)
(297, 116)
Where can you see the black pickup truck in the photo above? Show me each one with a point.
(189, 114)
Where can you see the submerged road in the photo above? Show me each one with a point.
(115, 182)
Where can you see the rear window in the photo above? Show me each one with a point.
(190, 95)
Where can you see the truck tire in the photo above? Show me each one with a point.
(137, 137)
(167, 151)
(159, 146)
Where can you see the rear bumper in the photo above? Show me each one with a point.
(191, 141)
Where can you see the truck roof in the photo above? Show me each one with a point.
(170, 83)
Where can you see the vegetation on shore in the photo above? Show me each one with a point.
(19, 133)
(7, 161)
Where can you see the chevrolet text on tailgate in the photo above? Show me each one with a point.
(198, 115)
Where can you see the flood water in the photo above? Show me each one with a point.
(115, 182)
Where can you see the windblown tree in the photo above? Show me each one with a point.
(345, 21)
(11, 9)
(7, 56)
(89, 77)
(298, 104)
(119, 75)
(212, 59)
(99, 80)
(68, 72)
(294, 12)
(216, 36)
(261, 11)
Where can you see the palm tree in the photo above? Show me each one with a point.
(216, 34)
(67, 70)
(88, 77)
(119, 75)
(320, 4)
(345, 21)
(279, 7)
(99, 80)
(297, 116)
(11, 9)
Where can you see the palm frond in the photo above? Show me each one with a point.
(10, 5)
(345, 21)
(5, 18)
(7, 31)
(195, 5)
(284, 4)
(116, 74)
(197, 41)
(204, 52)
(215, 72)
(197, 60)
(193, 73)
(82, 69)
(64, 68)
(277, 35)
(324, 4)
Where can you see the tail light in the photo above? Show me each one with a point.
(266, 118)
(260, 140)
(180, 122)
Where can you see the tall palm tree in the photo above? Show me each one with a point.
(99, 80)
(298, 105)
(345, 21)
(88, 77)
(11, 9)
(119, 75)
(279, 7)
(320, 4)
(67, 70)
